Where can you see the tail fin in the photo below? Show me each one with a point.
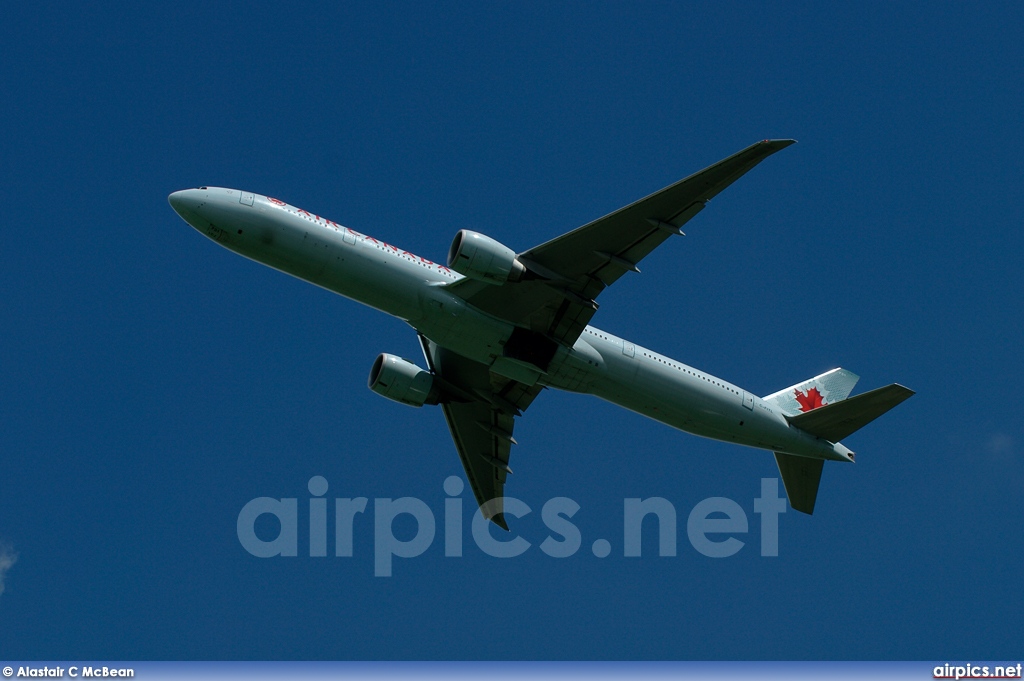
(832, 422)
(835, 421)
(828, 388)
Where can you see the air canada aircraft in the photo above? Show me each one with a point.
(497, 327)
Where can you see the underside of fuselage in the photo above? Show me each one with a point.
(498, 326)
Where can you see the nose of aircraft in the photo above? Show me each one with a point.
(181, 202)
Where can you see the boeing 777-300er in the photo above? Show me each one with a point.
(496, 327)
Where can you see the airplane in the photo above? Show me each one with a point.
(496, 327)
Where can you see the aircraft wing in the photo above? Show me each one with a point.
(567, 273)
(481, 420)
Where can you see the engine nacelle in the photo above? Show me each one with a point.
(402, 381)
(484, 259)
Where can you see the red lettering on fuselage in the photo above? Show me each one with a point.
(384, 244)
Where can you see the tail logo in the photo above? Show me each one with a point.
(812, 399)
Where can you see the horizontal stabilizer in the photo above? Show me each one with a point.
(801, 476)
(835, 421)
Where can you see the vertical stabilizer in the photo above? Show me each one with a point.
(828, 388)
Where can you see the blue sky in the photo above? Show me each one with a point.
(154, 383)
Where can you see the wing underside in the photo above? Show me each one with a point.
(570, 271)
(551, 306)
(481, 418)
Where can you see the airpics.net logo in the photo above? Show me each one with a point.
(711, 526)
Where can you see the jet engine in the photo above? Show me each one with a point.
(484, 259)
(400, 380)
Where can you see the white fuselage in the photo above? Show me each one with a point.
(412, 288)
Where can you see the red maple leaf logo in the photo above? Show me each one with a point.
(812, 399)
